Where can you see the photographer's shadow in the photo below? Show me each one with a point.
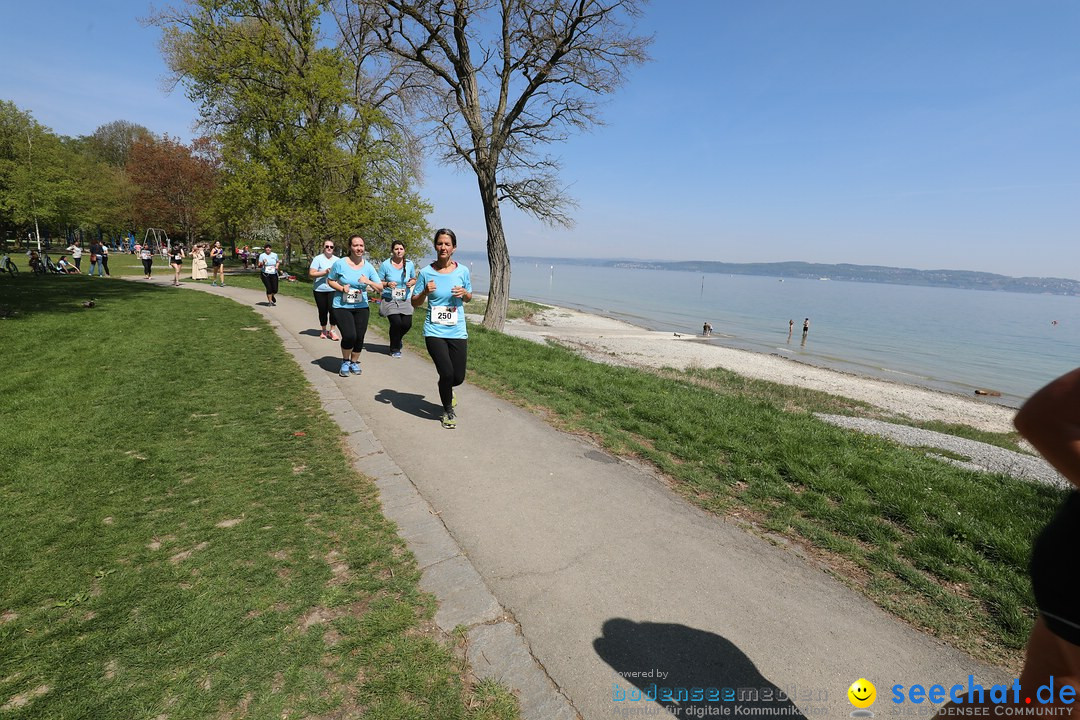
(410, 403)
(683, 668)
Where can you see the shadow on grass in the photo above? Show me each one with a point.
(410, 403)
(692, 673)
(30, 295)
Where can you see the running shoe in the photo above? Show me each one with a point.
(395, 354)
(355, 367)
(333, 335)
(213, 284)
(449, 420)
(322, 336)
(344, 371)
(273, 303)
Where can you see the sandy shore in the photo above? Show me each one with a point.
(618, 343)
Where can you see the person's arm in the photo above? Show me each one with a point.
(375, 285)
(426, 288)
(1050, 420)
(463, 291)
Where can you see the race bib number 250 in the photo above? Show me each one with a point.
(444, 314)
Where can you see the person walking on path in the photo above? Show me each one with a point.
(351, 277)
(399, 279)
(95, 260)
(147, 257)
(217, 264)
(176, 261)
(75, 248)
(198, 263)
(268, 262)
(320, 268)
(1050, 420)
(446, 287)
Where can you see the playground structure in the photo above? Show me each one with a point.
(157, 239)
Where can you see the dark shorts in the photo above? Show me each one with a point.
(218, 262)
(1057, 592)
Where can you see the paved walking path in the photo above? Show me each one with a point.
(601, 579)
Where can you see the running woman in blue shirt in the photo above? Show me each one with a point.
(399, 278)
(320, 268)
(351, 277)
(446, 287)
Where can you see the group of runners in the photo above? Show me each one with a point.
(341, 289)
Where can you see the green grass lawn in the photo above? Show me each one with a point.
(183, 534)
(943, 548)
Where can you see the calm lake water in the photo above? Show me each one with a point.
(952, 340)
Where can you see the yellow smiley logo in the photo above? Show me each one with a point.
(862, 693)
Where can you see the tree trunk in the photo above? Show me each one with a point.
(498, 256)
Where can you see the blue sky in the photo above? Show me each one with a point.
(915, 133)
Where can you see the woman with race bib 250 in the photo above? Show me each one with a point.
(399, 279)
(351, 277)
(446, 287)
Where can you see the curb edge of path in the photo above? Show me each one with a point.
(495, 646)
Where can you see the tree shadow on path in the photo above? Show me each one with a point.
(692, 673)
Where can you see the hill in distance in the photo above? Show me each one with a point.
(964, 279)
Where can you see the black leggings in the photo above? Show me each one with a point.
(399, 325)
(271, 283)
(147, 264)
(449, 356)
(322, 301)
(352, 324)
(105, 263)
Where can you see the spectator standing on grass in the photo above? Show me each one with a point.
(399, 279)
(95, 259)
(198, 263)
(75, 249)
(105, 259)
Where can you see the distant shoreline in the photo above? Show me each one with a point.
(842, 272)
(607, 340)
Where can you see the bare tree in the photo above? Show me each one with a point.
(497, 81)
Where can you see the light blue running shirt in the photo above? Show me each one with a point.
(388, 273)
(344, 274)
(445, 316)
(321, 262)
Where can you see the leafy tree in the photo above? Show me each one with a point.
(498, 81)
(174, 184)
(298, 149)
(36, 185)
(111, 143)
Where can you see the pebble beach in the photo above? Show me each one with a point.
(615, 342)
